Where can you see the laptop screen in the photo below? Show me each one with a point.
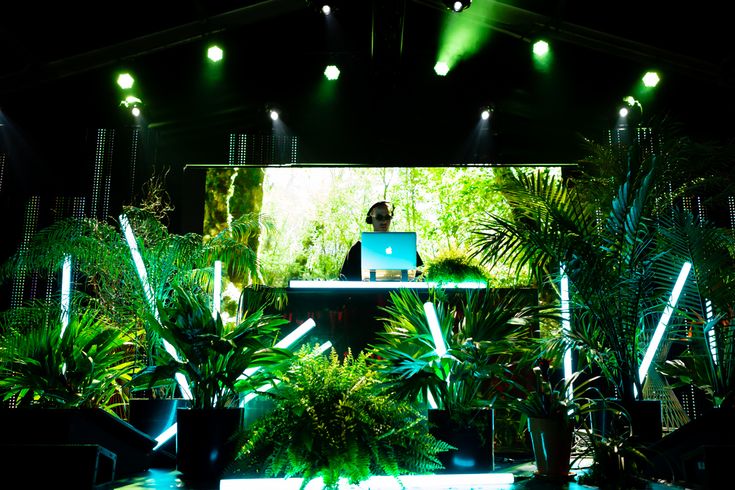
(392, 250)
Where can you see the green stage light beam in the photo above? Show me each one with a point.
(542, 55)
(464, 35)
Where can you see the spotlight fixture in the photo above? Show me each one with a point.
(215, 53)
(274, 114)
(133, 104)
(457, 5)
(486, 113)
(331, 72)
(540, 48)
(125, 80)
(325, 7)
(651, 79)
(441, 68)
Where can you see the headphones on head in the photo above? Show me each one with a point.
(369, 219)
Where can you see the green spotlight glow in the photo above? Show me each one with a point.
(540, 48)
(125, 81)
(651, 79)
(542, 55)
(215, 53)
(441, 68)
(331, 72)
(462, 36)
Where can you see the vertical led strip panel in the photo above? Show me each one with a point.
(143, 275)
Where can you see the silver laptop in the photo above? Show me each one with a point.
(388, 255)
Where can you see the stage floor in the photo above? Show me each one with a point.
(523, 472)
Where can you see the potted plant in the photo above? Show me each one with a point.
(219, 361)
(613, 256)
(481, 332)
(332, 420)
(552, 411)
(64, 384)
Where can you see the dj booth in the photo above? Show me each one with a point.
(349, 313)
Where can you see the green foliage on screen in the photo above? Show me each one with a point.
(319, 213)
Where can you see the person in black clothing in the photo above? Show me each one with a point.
(379, 215)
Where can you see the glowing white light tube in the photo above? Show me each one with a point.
(285, 343)
(476, 481)
(440, 347)
(65, 293)
(566, 326)
(217, 294)
(663, 322)
(143, 275)
(709, 331)
(436, 333)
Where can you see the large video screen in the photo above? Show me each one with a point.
(317, 213)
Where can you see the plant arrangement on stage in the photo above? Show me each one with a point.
(707, 337)
(46, 364)
(618, 462)
(708, 362)
(563, 400)
(482, 333)
(219, 360)
(332, 420)
(106, 275)
(619, 269)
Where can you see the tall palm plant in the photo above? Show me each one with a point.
(708, 337)
(609, 254)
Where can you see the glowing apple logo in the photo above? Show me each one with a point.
(389, 250)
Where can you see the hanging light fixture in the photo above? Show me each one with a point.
(457, 5)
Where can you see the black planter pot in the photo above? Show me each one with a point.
(153, 416)
(645, 420)
(552, 441)
(472, 436)
(36, 440)
(205, 441)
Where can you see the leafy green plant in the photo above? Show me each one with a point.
(618, 460)
(454, 267)
(88, 366)
(706, 358)
(708, 362)
(619, 281)
(106, 273)
(563, 400)
(483, 333)
(332, 420)
(213, 355)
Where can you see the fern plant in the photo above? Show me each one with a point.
(331, 420)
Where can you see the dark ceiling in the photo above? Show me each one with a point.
(58, 63)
